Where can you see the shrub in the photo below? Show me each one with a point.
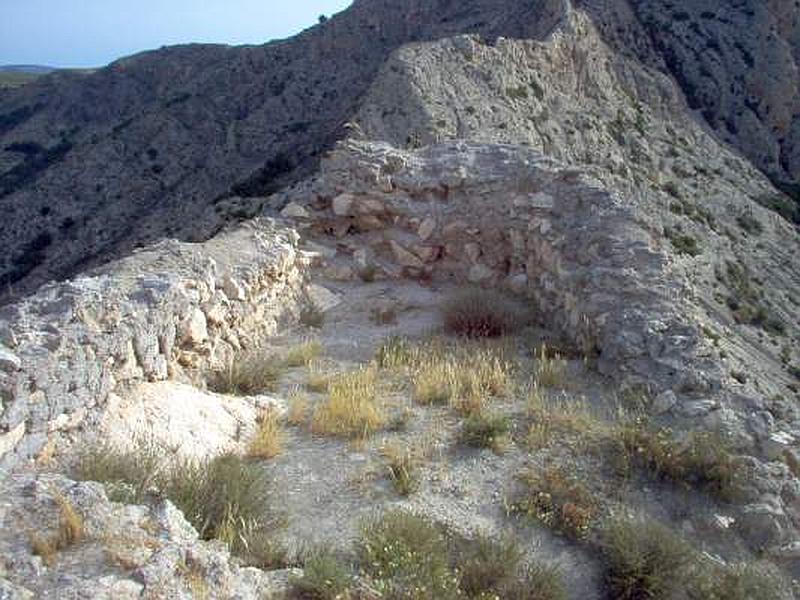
(750, 224)
(268, 439)
(324, 577)
(403, 464)
(302, 354)
(225, 498)
(406, 556)
(643, 559)
(540, 581)
(684, 243)
(248, 374)
(352, 408)
(557, 500)
(477, 313)
(702, 459)
(488, 565)
(486, 431)
(743, 581)
(68, 532)
(127, 475)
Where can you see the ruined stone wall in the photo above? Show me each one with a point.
(499, 215)
(168, 312)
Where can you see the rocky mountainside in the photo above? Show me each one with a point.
(167, 142)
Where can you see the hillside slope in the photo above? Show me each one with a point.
(93, 165)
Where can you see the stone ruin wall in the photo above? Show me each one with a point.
(170, 312)
(502, 216)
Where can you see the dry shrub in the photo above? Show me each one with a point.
(68, 532)
(403, 462)
(558, 500)
(302, 354)
(482, 430)
(478, 313)
(297, 413)
(248, 374)
(352, 408)
(558, 419)
(268, 439)
(550, 368)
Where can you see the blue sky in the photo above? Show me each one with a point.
(87, 33)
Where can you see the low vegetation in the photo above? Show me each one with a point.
(406, 556)
(226, 498)
(325, 577)
(550, 368)
(701, 459)
(557, 499)
(565, 419)
(302, 354)
(68, 532)
(477, 313)
(268, 439)
(250, 373)
(403, 463)
(352, 408)
(643, 559)
(482, 430)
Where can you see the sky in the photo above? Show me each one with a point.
(91, 33)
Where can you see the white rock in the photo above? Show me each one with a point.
(233, 289)
(8, 360)
(343, 205)
(426, 228)
(775, 444)
(294, 211)
(405, 257)
(194, 329)
(193, 423)
(322, 298)
(9, 441)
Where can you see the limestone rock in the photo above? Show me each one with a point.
(294, 211)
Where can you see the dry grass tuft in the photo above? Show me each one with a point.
(352, 408)
(478, 313)
(318, 378)
(559, 419)
(248, 374)
(462, 376)
(68, 532)
(403, 463)
(550, 368)
(297, 413)
(302, 354)
(268, 439)
(558, 500)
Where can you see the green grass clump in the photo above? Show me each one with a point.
(481, 430)
(226, 498)
(488, 565)
(325, 576)
(643, 559)
(248, 374)
(406, 556)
